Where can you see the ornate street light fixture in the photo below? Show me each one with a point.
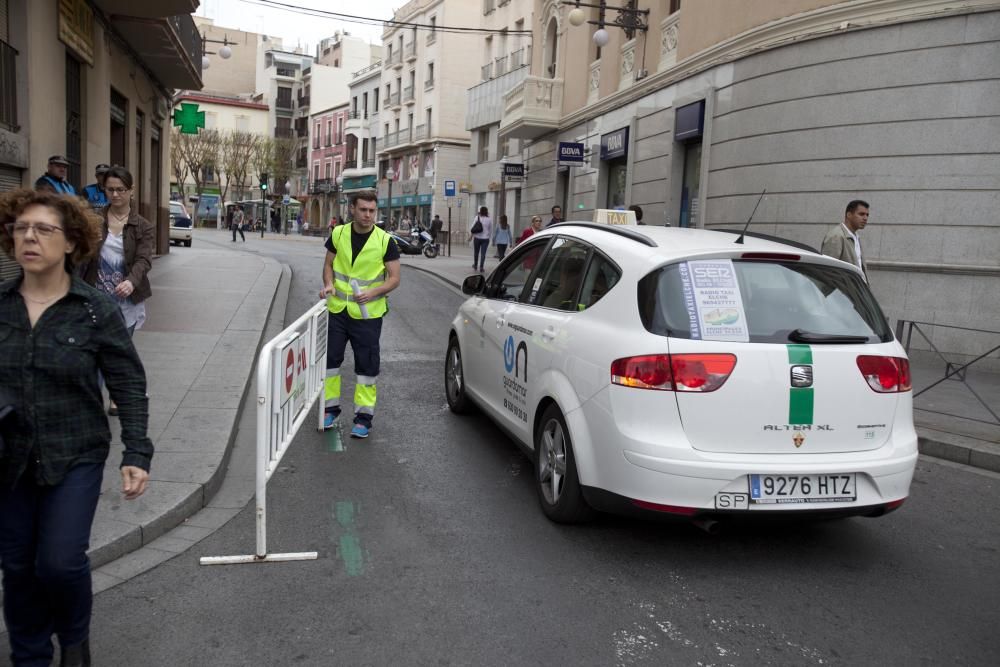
(629, 18)
(225, 52)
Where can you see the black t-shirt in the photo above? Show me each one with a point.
(358, 242)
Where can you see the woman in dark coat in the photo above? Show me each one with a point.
(56, 334)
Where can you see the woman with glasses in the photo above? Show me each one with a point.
(56, 334)
(125, 255)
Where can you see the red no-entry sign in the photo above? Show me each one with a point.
(289, 370)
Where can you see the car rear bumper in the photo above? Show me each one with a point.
(180, 234)
(669, 472)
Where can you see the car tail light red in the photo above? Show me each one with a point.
(669, 509)
(674, 372)
(885, 374)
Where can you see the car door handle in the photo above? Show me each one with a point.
(500, 321)
(549, 334)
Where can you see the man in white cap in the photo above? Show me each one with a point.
(55, 178)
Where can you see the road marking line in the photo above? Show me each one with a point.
(350, 550)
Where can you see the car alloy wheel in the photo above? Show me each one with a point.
(555, 471)
(454, 379)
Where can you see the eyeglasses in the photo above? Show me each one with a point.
(42, 230)
(116, 191)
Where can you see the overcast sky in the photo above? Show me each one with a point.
(294, 28)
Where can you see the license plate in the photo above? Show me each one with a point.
(780, 489)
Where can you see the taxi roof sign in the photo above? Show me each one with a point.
(607, 216)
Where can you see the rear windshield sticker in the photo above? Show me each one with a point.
(713, 300)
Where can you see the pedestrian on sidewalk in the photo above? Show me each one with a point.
(94, 193)
(842, 241)
(238, 218)
(556, 216)
(54, 178)
(361, 266)
(502, 237)
(124, 255)
(535, 226)
(481, 231)
(56, 334)
(635, 208)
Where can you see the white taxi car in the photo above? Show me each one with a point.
(678, 371)
(180, 224)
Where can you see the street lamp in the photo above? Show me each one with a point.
(629, 18)
(225, 52)
(284, 206)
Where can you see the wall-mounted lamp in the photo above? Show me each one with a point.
(629, 18)
(225, 52)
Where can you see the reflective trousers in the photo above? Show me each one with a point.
(363, 336)
(44, 534)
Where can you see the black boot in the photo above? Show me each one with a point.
(76, 656)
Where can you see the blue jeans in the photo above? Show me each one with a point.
(44, 535)
(479, 247)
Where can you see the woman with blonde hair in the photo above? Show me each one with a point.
(56, 334)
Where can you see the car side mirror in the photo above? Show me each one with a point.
(474, 285)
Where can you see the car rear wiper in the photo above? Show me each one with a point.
(802, 336)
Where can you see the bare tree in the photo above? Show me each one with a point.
(263, 155)
(238, 148)
(281, 162)
(177, 164)
(200, 152)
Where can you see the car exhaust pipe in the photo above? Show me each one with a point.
(710, 526)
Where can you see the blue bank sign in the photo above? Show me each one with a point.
(570, 152)
(614, 144)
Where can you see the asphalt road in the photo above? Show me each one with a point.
(433, 552)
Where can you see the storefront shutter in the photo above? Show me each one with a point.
(4, 29)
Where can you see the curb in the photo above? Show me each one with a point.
(974, 453)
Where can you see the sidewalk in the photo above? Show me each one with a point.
(951, 423)
(205, 322)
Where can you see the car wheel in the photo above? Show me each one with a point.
(454, 379)
(558, 486)
(188, 243)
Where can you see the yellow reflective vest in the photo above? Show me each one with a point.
(368, 269)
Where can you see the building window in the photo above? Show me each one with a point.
(375, 99)
(340, 129)
(336, 170)
(315, 171)
(329, 133)
(119, 114)
(505, 147)
(326, 169)
(284, 100)
(243, 123)
(675, 5)
(484, 146)
(430, 116)
(429, 83)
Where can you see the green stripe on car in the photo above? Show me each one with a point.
(800, 399)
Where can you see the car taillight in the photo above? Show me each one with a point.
(885, 374)
(674, 372)
(650, 371)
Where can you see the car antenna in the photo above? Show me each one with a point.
(746, 226)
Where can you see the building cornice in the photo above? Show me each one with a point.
(222, 101)
(836, 19)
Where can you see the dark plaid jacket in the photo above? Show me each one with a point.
(51, 370)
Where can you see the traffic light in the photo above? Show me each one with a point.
(263, 181)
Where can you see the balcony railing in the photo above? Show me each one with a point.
(394, 99)
(411, 50)
(500, 66)
(487, 69)
(419, 132)
(322, 186)
(368, 164)
(408, 94)
(8, 86)
(355, 115)
(428, 84)
(328, 141)
(283, 103)
(303, 100)
(395, 59)
(351, 164)
(532, 108)
(520, 58)
(432, 36)
(301, 162)
(283, 132)
(361, 72)
(390, 140)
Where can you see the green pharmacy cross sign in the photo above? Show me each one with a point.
(189, 118)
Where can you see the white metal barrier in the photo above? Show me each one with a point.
(290, 373)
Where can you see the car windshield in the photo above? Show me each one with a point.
(770, 302)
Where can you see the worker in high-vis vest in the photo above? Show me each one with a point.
(360, 268)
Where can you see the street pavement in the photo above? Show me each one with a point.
(212, 307)
(433, 551)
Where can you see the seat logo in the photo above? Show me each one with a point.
(802, 376)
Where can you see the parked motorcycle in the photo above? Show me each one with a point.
(419, 241)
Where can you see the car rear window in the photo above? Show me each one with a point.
(777, 298)
(179, 222)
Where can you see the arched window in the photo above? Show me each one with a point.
(551, 49)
